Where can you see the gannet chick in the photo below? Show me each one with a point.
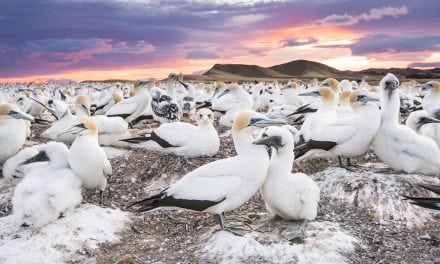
(86, 158)
(188, 104)
(13, 130)
(397, 145)
(183, 139)
(292, 196)
(427, 202)
(348, 136)
(165, 106)
(48, 191)
(222, 185)
(423, 124)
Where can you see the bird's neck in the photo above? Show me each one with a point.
(282, 158)
(390, 106)
(243, 143)
(170, 88)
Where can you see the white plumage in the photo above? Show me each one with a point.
(288, 195)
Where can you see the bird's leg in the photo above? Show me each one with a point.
(221, 220)
(343, 166)
(351, 165)
(101, 197)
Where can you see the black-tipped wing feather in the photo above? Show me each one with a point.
(312, 144)
(153, 137)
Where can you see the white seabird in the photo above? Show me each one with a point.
(423, 124)
(13, 130)
(48, 191)
(292, 196)
(183, 139)
(397, 145)
(348, 136)
(86, 158)
(222, 185)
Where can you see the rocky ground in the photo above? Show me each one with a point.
(351, 227)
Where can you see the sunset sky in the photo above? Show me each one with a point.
(133, 39)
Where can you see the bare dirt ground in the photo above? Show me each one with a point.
(176, 236)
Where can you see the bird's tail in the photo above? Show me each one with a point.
(149, 203)
(426, 202)
(137, 140)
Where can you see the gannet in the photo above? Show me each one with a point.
(13, 130)
(110, 128)
(239, 102)
(290, 93)
(292, 196)
(47, 191)
(165, 106)
(348, 136)
(222, 185)
(86, 158)
(427, 202)
(397, 145)
(183, 139)
(101, 105)
(423, 124)
(131, 108)
(431, 101)
(325, 114)
(188, 104)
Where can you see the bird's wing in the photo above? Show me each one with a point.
(214, 182)
(126, 106)
(176, 134)
(110, 125)
(335, 132)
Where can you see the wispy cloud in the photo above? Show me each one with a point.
(373, 14)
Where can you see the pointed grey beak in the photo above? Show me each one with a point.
(73, 129)
(273, 141)
(313, 93)
(183, 84)
(51, 111)
(86, 109)
(428, 120)
(225, 92)
(391, 85)
(20, 115)
(264, 122)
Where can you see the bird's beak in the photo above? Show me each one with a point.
(20, 115)
(264, 122)
(428, 120)
(143, 83)
(40, 157)
(86, 109)
(313, 93)
(273, 141)
(183, 84)
(225, 92)
(75, 129)
(51, 111)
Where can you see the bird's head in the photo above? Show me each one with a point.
(276, 137)
(116, 97)
(389, 83)
(331, 83)
(205, 116)
(361, 97)
(8, 110)
(433, 86)
(83, 103)
(251, 120)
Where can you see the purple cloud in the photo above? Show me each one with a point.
(201, 54)
(298, 42)
(394, 44)
(373, 14)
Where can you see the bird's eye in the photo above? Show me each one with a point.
(201, 115)
(261, 92)
(209, 115)
(80, 125)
